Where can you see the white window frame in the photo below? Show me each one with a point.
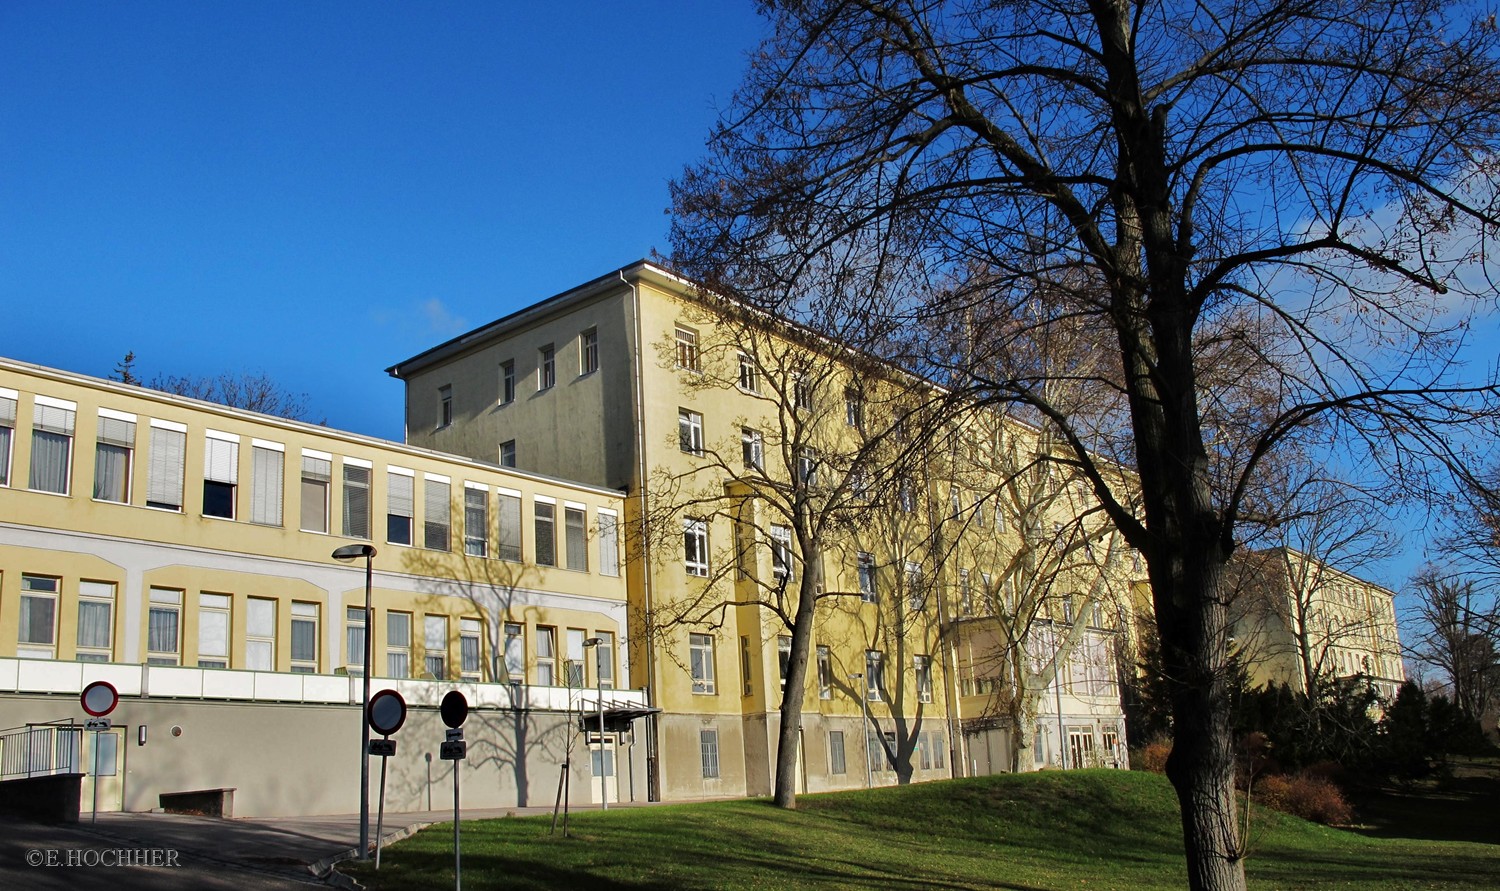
(781, 551)
(39, 589)
(546, 368)
(588, 351)
(701, 663)
(507, 381)
(95, 595)
(304, 613)
(394, 649)
(690, 432)
(695, 546)
(215, 609)
(688, 358)
(164, 602)
(752, 449)
(869, 590)
(749, 380)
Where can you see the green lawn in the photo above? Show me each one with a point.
(1079, 829)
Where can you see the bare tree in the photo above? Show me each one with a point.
(1455, 634)
(249, 390)
(1308, 179)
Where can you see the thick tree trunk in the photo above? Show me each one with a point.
(789, 735)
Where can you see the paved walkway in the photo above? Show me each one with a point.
(179, 853)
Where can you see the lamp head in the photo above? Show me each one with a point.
(593, 642)
(351, 552)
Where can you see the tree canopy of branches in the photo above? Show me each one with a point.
(1455, 632)
(1301, 189)
(250, 390)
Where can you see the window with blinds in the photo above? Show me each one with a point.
(476, 521)
(7, 432)
(510, 527)
(96, 627)
(471, 650)
(356, 501)
(112, 457)
(400, 502)
(304, 638)
(165, 466)
(221, 474)
(435, 518)
(575, 538)
(51, 444)
(317, 473)
(266, 474)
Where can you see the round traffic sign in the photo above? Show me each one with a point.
(387, 712)
(455, 709)
(99, 698)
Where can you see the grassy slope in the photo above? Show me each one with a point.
(1083, 829)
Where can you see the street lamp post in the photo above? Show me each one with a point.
(346, 553)
(864, 722)
(593, 643)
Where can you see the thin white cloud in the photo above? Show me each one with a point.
(440, 320)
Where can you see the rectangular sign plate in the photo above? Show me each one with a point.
(453, 751)
(455, 734)
(96, 724)
(384, 748)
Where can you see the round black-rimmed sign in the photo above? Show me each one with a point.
(455, 709)
(387, 712)
(99, 698)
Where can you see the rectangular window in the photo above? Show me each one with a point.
(221, 473)
(51, 444)
(604, 659)
(515, 652)
(400, 504)
(266, 460)
(398, 645)
(690, 431)
(213, 630)
(749, 374)
(546, 368)
(508, 453)
(781, 551)
(708, 747)
(470, 650)
(112, 456)
(825, 673)
(687, 349)
(609, 543)
(695, 546)
(802, 395)
(701, 662)
(476, 521)
(924, 753)
(260, 634)
(355, 629)
(356, 500)
(166, 465)
(874, 675)
(965, 594)
(752, 449)
(546, 656)
(510, 526)
(163, 621)
(979, 511)
(435, 508)
(435, 646)
(916, 593)
(575, 538)
(939, 750)
(854, 408)
(906, 496)
(317, 473)
(783, 658)
(866, 569)
(807, 466)
(96, 622)
(304, 638)
(37, 638)
(836, 761)
(588, 351)
(544, 520)
(575, 670)
(745, 663)
(507, 382)
(921, 667)
(445, 405)
(7, 431)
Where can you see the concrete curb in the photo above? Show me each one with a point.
(326, 872)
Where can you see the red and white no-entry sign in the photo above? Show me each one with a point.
(99, 698)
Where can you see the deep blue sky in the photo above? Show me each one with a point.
(319, 190)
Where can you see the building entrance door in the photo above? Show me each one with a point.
(110, 773)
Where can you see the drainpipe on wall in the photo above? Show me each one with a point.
(653, 747)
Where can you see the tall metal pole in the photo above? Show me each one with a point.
(603, 790)
(364, 719)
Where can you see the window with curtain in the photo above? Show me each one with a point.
(304, 637)
(609, 543)
(112, 457)
(356, 500)
(470, 650)
(7, 432)
(510, 526)
(96, 625)
(213, 630)
(266, 477)
(398, 645)
(476, 520)
(354, 639)
(51, 444)
(575, 538)
(435, 508)
(163, 621)
(260, 634)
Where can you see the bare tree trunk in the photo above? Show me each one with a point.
(789, 735)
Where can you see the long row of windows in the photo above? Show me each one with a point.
(331, 499)
(546, 373)
(702, 669)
